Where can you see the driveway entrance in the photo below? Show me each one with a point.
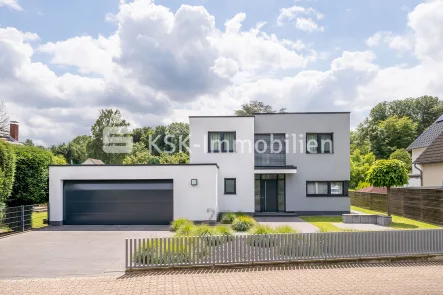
(70, 250)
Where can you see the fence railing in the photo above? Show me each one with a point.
(249, 249)
(22, 218)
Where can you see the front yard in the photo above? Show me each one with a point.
(325, 223)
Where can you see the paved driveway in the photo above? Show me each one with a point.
(70, 250)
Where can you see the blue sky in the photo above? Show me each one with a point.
(159, 67)
(347, 22)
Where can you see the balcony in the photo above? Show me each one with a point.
(270, 150)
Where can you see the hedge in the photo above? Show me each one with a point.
(31, 176)
(7, 170)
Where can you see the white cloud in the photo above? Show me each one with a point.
(161, 66)
(11, 4)
(395, 42)
(307, 24)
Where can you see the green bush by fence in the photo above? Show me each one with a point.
(7, 170)
(31, 176)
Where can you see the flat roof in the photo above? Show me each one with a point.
(128, 165)
(228, 116)
(303, 113)
(289, 113)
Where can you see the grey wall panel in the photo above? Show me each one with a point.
(116, 202)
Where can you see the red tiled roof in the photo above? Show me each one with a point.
(371, 189)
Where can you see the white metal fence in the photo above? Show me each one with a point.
(248, 249)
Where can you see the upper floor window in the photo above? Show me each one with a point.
(319, 143)
(221, 142)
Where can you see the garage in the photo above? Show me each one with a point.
(119, 202)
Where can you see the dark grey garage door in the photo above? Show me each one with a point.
(118, 202)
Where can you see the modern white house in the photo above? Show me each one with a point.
(268, 164)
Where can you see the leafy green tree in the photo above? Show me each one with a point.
(404, 156)
(139, 155)
(78, 149)
(141, 134)
(423, 111)
(388, 173)
(360, 165)
(58, 160)
(392, 134)
(28, 142)
(179, 137)
(360, 143)
(157, 143)
(31, 176)
(107, 118)
(254, 107)
(7, 170)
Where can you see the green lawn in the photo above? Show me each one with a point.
(324, 223)
(399, 222)
(37, 219)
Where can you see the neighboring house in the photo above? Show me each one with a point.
(427, 157)
(262, 164)
(12, 135)
(90, 161)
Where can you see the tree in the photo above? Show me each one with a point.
(392, 134)
(423, 111)
(4, 118)
(178, 133)
(360, 165)
(388, 173)
(404, 156)
(78, 149)
(140, 155)
(7, 170)
(58, 160)
(156, 143)
(31, 176)
(139, 134)
(28, 142)
(254, 107)
(107, 118)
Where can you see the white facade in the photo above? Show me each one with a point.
(192, 202)
(208, 198)
(239, 165)
(415, 181)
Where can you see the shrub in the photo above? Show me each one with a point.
(31, 176)
(285, 229)
(362, 184)
(203, 230)
(176, 224)
(260, 229)
(156, 253)
(227, 218)
(186, 229)
(223, 230)
(7, 170)
(243, 223)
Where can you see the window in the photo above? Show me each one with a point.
(221, 142)
(230, 186)
(319, 143)
(326, 188)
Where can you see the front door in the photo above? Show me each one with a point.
(269, 195)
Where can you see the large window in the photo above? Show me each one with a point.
(319, 143)
(230, 186)
(221, 142)
(270, 150)
(326, 188)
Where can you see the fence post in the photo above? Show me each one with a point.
(23, 217)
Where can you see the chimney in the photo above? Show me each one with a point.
(13, 129)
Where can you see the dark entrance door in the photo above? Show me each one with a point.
(269, 195)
